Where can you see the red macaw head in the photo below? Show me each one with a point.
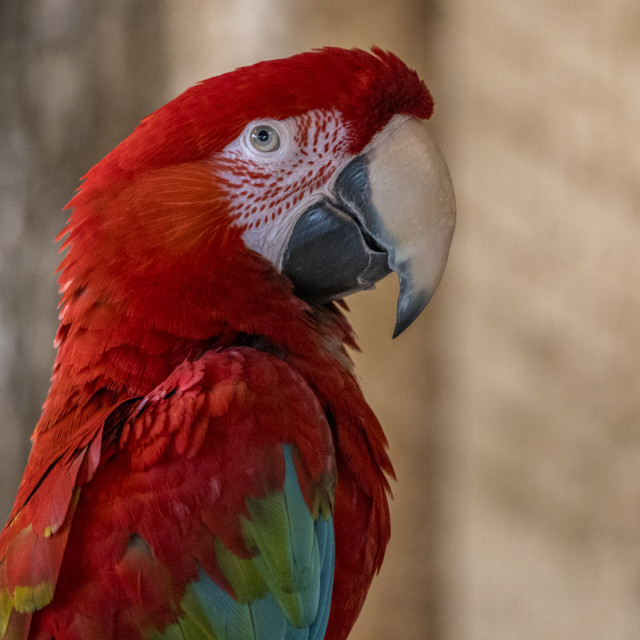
(320, 163)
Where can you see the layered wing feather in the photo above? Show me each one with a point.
(209, 515)
(282, 591)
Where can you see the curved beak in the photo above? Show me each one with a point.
(394, 210)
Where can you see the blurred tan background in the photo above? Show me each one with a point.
(512, 405)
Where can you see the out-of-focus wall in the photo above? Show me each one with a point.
(511, 405)
(541, 533)
(75, 78)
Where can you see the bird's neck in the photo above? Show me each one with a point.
(113, 348)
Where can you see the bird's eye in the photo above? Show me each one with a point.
(264, 138)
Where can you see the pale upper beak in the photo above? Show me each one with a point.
(394, 210)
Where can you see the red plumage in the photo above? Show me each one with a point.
(169, 330)
(218, 413)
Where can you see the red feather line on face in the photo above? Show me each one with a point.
(263, 190)
(268, 191)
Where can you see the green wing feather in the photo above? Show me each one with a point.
(282, 592)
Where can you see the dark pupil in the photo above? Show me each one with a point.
(263, 135)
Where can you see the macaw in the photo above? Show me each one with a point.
(205, 466)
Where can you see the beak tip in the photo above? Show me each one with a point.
(410, 306)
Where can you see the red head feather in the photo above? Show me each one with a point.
(367, 88)
(150, 223)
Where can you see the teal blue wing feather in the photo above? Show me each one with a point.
(283, 592)
(326, 546)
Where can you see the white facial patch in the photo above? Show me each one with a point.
(270, 189)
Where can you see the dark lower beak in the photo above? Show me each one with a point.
(329, 257)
